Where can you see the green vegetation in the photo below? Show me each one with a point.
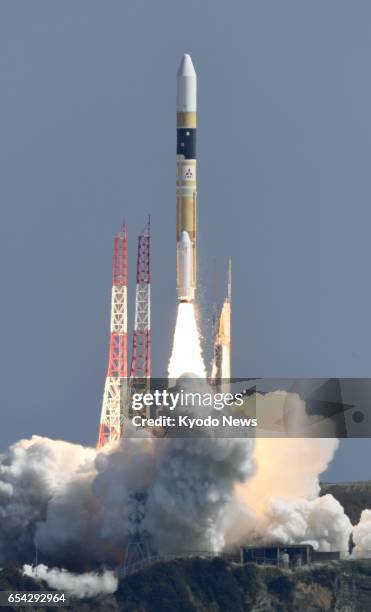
(12, 579)
(201, 585)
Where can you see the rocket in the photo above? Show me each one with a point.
(186, 115)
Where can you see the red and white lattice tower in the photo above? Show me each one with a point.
(140, 370)
(115, 388)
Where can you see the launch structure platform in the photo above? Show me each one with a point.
(119, 385)
(115, 388)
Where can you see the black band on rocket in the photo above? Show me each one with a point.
(186, 142)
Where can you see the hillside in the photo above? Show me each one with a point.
(199, 585)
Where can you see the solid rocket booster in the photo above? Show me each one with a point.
(186, 114)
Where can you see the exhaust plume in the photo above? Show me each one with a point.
(171, 491)
(181, 495)
(186, 357)
(280, 502)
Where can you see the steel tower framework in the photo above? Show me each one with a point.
(140, 369)
(115, 388)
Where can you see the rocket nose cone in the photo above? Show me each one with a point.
(186, 67)
(186, 85)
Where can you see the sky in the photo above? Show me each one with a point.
(87, 138)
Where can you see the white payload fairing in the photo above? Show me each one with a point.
(186, 113)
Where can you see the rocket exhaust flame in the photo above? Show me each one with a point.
(186, 357)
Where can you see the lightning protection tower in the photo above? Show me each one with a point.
(115, 388)
(140, 369)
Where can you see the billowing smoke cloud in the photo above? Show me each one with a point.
(320, 522)
(32, 472)
(179, 495)
(88, 584)
(174, 490)
(362, 536)
(280, 502)
(83, 508)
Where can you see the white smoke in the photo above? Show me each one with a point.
(280, 502)
(362, 536)
(83, 508)
(31, 473)
(79, 585)
(320, 522)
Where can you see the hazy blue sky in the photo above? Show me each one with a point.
(87, 136)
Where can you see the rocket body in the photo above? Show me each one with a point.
(186, 192)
